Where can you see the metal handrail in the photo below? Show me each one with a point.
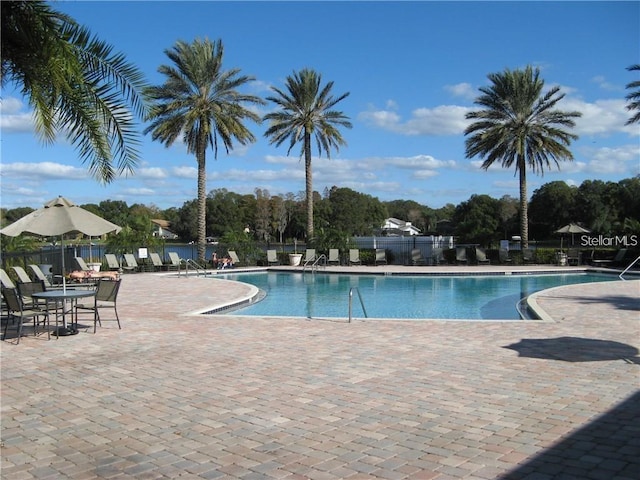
(316, 262)
(196, 266)
(351, 302)
(628, 268)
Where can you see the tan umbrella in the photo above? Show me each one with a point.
(58, 218)
(571, 228)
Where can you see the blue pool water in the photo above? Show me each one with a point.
(399, 296)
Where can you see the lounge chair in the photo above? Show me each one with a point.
(605, 262)
(527, 255)
(438, 256)
(354, 256)
(131, 263)
(39, 274)
(174, 261)
(112, 261)
(381, 256)
(234, 257)
(481, 256)
(272, 257)
(156, 261)
(6, 280)
(310, 255)
(82, 265)
(417, 258)
(503, 255)
(105, 297)
(22, 275)
(334, 256)
(461, 255)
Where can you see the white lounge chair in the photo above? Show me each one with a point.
(334, 256)
(354, 256)
(272, 257)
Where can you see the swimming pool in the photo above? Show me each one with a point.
(323, 295)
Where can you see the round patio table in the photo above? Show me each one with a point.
(63, 296)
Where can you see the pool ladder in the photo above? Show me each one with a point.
(621, 276)
(351, 302)
(200, 270)
(320, 261)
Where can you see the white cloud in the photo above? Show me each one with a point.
(44, 170)
(602, 82)
(464, 90)
(441, 120)
(623, 159)
(154, 173)
(145, 192)
(12, 118)
(185, 172)
(602, 117)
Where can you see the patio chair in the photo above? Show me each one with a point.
(112, 261)
(334, 256)
(18, 311)
(481, 256)
(417, 258)
(310, 255)
(617, 260)
(272, 257)
(461, 255)
(106, 297)
(381, 256)
(354, 256)
(22, 275)
(573, 256)
(131, 264)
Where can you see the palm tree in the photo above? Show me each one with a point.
(306, 110)
(519, 126)
(75, 84)
(199, 103)
(634, 97)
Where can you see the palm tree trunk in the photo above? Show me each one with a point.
(309, 183)
(524, 213)
(202, 205)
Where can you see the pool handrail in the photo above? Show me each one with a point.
(621, 276)
(351, 302)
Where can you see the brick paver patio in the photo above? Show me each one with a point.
(174, 395)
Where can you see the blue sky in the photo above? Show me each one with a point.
(412, 70)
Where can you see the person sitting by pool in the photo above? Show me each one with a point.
(226, 262)
(82, 276)
(215, 261)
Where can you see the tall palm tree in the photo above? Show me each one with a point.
(306, 111)
(634, 97)
(518, 126)
(199, 103)
(75, 84)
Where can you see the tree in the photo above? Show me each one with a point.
(552, 206)
(477, 220)
(75, 84)
(306, 111)
(518, 126)
(634, 97)
(200, 103)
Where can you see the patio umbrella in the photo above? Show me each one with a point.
(571, 228)
(59, 217)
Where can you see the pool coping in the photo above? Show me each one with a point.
(228, 308)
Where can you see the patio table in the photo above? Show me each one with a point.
(63, 296)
